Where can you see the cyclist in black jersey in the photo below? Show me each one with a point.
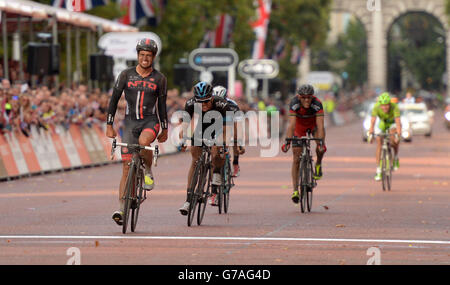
(145, 91)
(238, 148)
(203, 95)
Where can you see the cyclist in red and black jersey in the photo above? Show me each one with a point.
(306, 112)
(145, 91)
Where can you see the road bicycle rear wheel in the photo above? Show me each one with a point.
(193, 188)
(128, 196)
(206, 181)
(228, 185)
(303, 185)
(221, 190)
(136, 205)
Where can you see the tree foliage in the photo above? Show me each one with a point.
(417, 41)
(295, 21)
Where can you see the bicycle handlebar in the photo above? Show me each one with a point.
(301, 139)
(155, 149)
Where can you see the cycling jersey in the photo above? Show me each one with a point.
(218, 104)
(386, 119)
(306, 118)
(144, 96)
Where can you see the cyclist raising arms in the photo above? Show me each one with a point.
(306, 112)
(389, 114)
(203, 95)
(146, 92)
(221, 92)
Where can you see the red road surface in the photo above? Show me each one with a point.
(42, 217)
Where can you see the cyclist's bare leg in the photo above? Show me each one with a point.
(320, 153)
(395, 146)
(123, 180)
(196, 151)
(146, 138)
(378, 151)
(296, 152)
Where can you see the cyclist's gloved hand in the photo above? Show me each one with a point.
(322, 147)
(369, 137)
(286, 146)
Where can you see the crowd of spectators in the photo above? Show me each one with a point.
(21, 107)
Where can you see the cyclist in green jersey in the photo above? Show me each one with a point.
(389, 114)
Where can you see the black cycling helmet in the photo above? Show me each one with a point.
(202, 91)
(147, 45)
(305, 89)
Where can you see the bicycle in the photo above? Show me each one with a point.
(227, 183)
(201, 177)
(306, 181)
(134, 194)
(386, 159)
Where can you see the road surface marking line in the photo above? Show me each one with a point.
(231, 238)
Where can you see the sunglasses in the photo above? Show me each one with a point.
(304, 97)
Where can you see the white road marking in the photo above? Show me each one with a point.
(229, 239)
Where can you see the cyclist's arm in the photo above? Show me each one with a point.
(397, 120)
(119, 86)
(162, 106)
(373, 119)
(398, 123)
(320, 122)
(291, 127)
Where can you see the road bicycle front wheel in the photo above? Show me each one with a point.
(384, 169)
(193, 199)
(128, 196)
(309, 188)
(390, 165)
(228, 184)
(303, 184)
(136, 205)
(206, 181)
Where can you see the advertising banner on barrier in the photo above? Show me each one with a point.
(58, 148)
(7, 157)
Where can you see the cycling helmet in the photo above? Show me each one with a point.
(147, 45)
(202, 91)
(384, 98)
(220, 91)
(305, 89)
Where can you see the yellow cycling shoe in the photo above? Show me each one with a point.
(149, 183)
(295, 197)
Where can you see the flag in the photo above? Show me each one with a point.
(221, 35)
(296, 55)
(137, 9)
(78, 5)
(280, 50)
(260, 28)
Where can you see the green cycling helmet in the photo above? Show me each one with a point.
(384, 98)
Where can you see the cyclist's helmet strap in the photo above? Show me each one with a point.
(305, 89)
(220, 91)
(384, 98)
(202, 91)
(147, 45)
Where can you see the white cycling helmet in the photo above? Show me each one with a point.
(220, 91)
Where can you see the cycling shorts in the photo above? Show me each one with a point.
(132, 130)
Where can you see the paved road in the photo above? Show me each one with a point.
(43, 216)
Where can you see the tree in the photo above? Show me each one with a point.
(295, 21)
(417, 41)
(184, 24)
